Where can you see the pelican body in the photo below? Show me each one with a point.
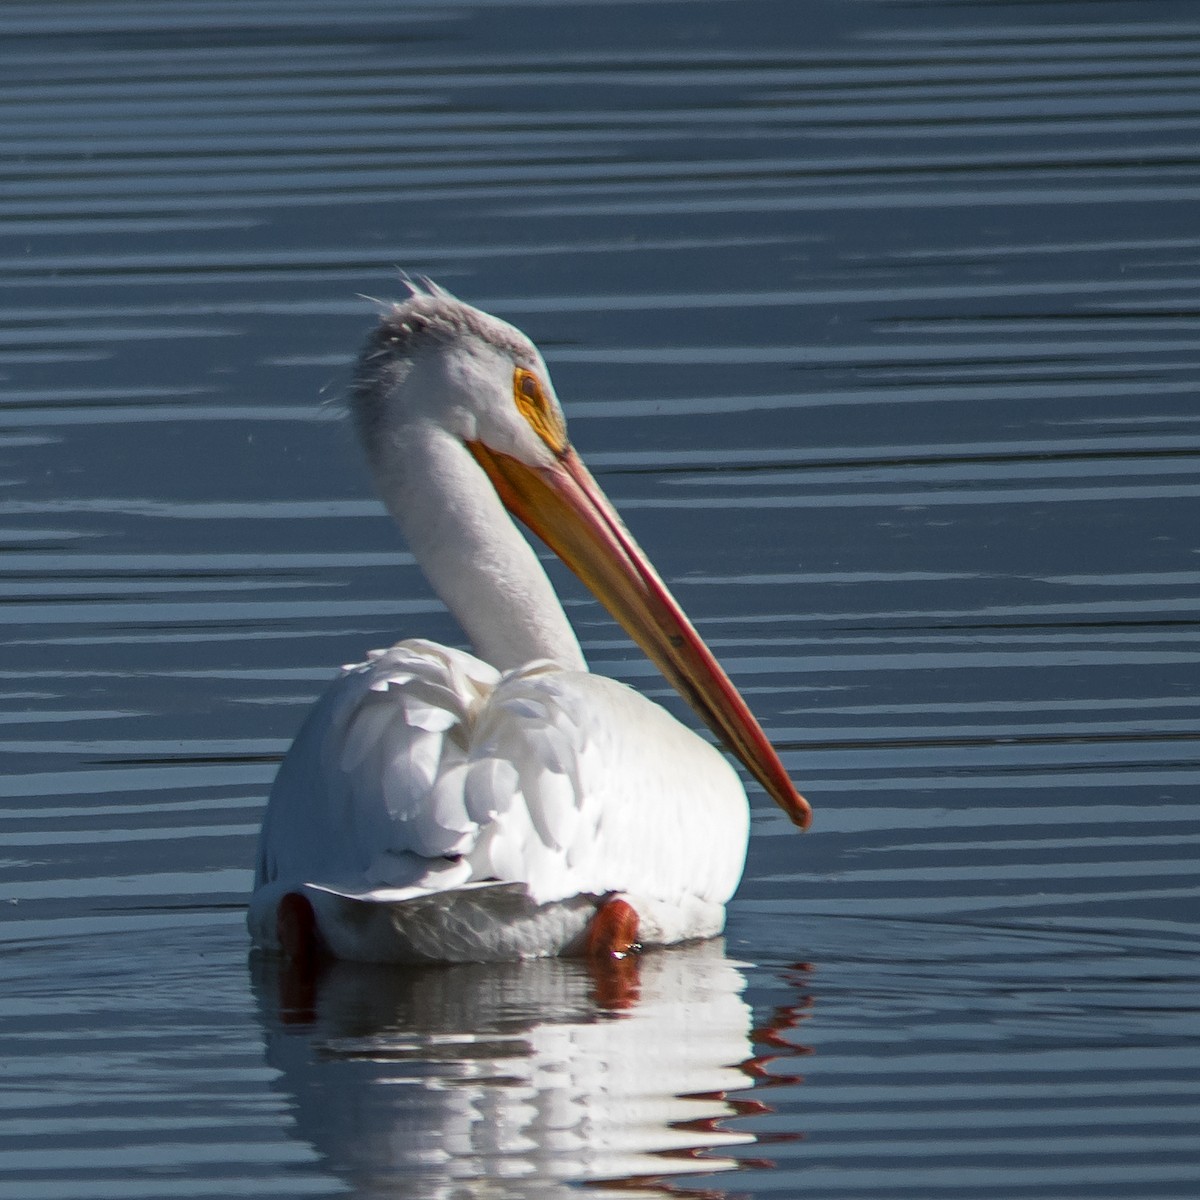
(444, 806)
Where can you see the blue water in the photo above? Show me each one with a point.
(879, 322)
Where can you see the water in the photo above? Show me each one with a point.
(879, 323)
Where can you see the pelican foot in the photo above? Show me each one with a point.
(296, 928)
(613, 932)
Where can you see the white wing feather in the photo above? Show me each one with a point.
(423, 771)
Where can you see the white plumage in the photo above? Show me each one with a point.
(425, 773)
(436, 806)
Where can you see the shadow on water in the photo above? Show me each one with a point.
(527, 1078)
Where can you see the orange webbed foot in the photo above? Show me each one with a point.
(613, 932)
(610, 946)
(296, 928)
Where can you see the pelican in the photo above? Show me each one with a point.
(443, 806)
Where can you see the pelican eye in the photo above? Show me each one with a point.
(535, 406)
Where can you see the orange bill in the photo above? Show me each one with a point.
(565, 507)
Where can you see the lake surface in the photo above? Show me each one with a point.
(879, 321)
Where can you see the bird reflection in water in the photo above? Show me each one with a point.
(523, 1079)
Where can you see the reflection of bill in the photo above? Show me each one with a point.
(520, 1077)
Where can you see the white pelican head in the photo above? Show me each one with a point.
(480, 379)
(437, 369)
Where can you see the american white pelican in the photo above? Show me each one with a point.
(441, 806)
